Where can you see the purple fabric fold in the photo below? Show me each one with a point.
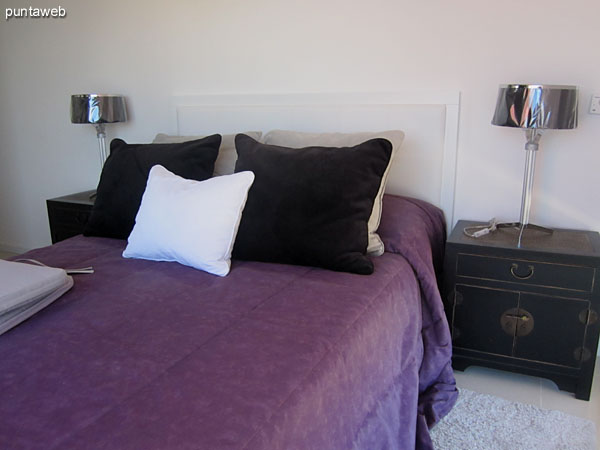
(401, 234)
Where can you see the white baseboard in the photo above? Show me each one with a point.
(7, 248)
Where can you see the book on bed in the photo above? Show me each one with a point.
(26, 289)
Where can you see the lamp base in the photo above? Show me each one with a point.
(522, 227)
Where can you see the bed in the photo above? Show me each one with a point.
(146, 354)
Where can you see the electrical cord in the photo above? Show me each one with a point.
(481, 230)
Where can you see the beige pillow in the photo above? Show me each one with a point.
(225, 163)
(297, 139)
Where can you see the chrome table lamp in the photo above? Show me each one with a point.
(534, 107)
(98, 109)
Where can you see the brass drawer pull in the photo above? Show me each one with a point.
(515, 266)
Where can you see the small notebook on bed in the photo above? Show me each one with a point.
(26, 289)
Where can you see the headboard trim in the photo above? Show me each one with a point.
(225, 113)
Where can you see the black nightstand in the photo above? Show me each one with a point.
(532, 310)
(69, 214)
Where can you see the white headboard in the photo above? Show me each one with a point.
(424, 168)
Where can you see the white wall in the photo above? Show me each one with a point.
(149, 51)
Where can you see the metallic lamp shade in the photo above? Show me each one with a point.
(539, 106)
(98, 108)
(534, 107)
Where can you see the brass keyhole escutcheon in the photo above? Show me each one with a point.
(517, 322)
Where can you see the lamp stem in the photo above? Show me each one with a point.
(531, 147)
(527, 182)
(101, 134)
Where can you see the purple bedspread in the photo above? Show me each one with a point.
(152, 355)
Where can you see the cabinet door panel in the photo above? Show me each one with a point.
(477, 315)
(558, 332)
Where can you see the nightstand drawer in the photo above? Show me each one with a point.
(579, 278)
(71, 216)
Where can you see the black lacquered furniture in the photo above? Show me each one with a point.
(68, 215)
(531, 309)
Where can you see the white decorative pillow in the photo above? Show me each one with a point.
(191, 222)
(225, 163)
(297, 139)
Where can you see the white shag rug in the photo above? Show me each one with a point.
(486, 422)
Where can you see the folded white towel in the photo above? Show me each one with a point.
(25, 289)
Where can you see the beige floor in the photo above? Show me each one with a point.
(535, 391)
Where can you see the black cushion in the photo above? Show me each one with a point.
(125, 173)
(310, 206)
